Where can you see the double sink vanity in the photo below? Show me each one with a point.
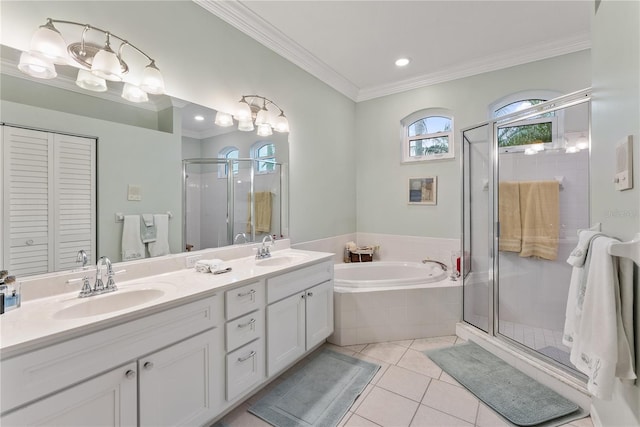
(178, 348)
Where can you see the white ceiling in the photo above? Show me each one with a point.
(352, 45)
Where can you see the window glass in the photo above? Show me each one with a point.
(433, 124)
(427, 135)
(265, 151)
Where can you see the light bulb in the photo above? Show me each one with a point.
(133, 93)
(36, 66)
(152, 80)
(91, 82)
(47, 43)
(224, 119)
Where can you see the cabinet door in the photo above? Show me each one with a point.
(319, 313)
(285, 332)
(178, 384)
(107, 400)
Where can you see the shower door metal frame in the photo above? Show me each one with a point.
(569, 100)
(284, 199)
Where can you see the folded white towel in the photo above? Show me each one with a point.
(148, 230)
(161, 245)
(207, 265)
(132, 246)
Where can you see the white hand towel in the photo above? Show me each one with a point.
(161, 244)
(600, 348)
(132, 246)
(148, 230)
(207, 265)
(579, 253)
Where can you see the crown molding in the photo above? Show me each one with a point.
(492, 63)
(244, 19)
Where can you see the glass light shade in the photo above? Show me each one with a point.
(152, 80)
(244, 112)
(106, 65)
(133, 93)
(262, 117)
(47, 43)
(264, 129)
(245, 125)
(88, 81)
(36, 67)
(281, 124)
(224, 119)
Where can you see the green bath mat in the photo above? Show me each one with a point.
(514, 395)
(318, 394)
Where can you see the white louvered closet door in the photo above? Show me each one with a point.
(44, 182)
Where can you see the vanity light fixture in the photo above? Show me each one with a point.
(96, 63)
(253, 112)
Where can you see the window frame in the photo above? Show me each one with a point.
(255, 148)
(406, 140)
(224, 154)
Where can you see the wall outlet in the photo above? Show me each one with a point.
(191, 261)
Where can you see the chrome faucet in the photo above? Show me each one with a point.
(99, 287)
(237, 237)
(264, 251)
(82, 257)
(441, 264)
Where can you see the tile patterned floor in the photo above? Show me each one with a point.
(408, 390)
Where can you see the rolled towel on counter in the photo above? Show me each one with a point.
(207, 265)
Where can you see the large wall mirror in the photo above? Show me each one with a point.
(140, 155)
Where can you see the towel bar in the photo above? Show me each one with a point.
(629, 249)
(120, 216)
(559, 178)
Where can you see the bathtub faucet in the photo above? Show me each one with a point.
(441, 264)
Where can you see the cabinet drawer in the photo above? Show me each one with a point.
(245, 368)
(244, 329)
(244, 299)
(298, 280)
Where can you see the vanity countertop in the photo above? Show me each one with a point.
(41, 322)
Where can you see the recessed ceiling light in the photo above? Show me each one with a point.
(199, 118)
(402, 62)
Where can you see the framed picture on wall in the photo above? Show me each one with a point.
(423, 191)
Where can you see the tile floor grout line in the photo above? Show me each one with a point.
(446, 413)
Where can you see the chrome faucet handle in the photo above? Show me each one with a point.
(86, 290)
(82, 257)
(99, 287)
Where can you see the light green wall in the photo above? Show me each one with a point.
(126, 155)
(616, 114)
(382, 179)
(206, 61)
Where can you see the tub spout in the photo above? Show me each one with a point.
(441, 264)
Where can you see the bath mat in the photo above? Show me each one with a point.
(317, 394)
(557, 354)
(514, 395)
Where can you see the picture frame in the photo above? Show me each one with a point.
(423, 190)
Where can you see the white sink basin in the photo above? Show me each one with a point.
(280, 260)
(106, 303)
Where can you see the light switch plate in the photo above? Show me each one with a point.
(624, 164)
(134, 193)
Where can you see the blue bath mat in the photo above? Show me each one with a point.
(317, 394)
(514, 395)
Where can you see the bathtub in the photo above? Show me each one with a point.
(388, 275)
(391, 301)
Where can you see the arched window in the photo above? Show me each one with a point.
(529, 135)
(265, 154)
(228, 153)
(427, 135)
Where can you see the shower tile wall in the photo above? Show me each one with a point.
(534, 291)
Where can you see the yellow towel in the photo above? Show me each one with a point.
(509, 216)
(262, 201)
(540, 217)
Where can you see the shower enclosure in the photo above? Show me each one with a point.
(517, 169)
(229, 201)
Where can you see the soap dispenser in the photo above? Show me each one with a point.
(11, 293)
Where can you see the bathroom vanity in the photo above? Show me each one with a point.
(191, 347)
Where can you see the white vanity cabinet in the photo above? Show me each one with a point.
(167, 362)
(108, 400)
(299, 314)
(245, 338)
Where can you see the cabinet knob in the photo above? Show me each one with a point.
(130, 374)
(148, 365)
(309, 294)
(303, 296)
